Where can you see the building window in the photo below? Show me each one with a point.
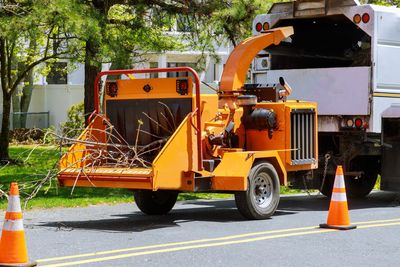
(58, 73)
(183, 23)
(179, 64)
(162, 19)
(153, 65)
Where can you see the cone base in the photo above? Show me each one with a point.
(26, 264)
(338, 227)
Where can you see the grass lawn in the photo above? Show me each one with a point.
(36, 163)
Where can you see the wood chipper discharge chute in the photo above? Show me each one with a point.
(160, 136)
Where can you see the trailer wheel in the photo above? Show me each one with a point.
(262, 196)
(155, 203)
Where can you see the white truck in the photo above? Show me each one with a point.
(346, 57)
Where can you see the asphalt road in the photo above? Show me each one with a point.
(212, 233)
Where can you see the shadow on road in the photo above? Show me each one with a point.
(217, 211)
(221, 211)
(321, 203)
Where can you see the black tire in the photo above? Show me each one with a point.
(155, 202)
(356, 187)
(327, 187)
(261, 198)
(327, 183)
(359, 187)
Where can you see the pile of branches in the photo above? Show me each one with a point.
(113, 152)
(26, 136)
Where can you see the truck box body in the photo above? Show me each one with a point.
(350, 69)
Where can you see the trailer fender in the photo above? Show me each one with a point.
(273, 158)
(231, 174)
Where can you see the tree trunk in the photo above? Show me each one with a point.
(5, 128)
(26, 98)
(91, 69)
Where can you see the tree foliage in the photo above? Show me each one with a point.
(382, 2)
(126, 33)
(33, 33)
(106, 31)
(233, 19)
(75, 123)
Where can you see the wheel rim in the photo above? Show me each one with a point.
(263, 190)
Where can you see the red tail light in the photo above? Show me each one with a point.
(358, 123)
(182, 87)
(112, 89)
(365, 18)
(259, 27)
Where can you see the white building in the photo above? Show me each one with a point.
(57, 92)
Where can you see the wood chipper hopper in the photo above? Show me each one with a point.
(160, 136)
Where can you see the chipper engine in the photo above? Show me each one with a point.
(161, 136)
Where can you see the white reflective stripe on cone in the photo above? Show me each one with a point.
(339, 196)
(14, 204)
(339, 182)
(13, 225)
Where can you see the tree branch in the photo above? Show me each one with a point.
(176, 7)
(31, 66)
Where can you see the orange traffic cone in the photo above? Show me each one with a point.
(338, 216)
(12, 245)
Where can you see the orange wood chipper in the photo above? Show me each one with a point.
(160, 136)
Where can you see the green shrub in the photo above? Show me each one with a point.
(49, 136)
(75, 123)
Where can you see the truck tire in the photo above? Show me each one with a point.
(356, 187)
(261, 198)
(327, 183)
(155, 202)
(359, 187)
(326, 188)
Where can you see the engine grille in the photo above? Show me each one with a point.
(302, 136)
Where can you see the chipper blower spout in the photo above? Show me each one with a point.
(237, 65)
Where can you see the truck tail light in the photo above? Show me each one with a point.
(112, 89)
(365, 17)
(266, 26)
(358, 123)
(349, 123)
(182, 86)
(357, 18)
(259, 27)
